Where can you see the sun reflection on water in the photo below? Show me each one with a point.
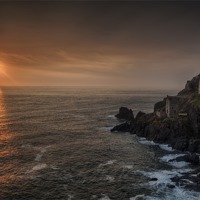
(4, 130)
(6, 149)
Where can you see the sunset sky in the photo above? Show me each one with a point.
(141, 45)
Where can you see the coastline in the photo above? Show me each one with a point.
(179, 132)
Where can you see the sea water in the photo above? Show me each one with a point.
(55, 143)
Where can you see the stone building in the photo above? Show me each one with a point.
(172, 106)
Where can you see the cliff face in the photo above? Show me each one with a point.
(194, 120)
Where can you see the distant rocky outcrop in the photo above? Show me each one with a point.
(125, 113)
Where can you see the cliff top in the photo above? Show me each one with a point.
(191, 87)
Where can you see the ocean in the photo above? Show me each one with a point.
(55, 143)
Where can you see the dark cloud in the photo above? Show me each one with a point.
(135, 40)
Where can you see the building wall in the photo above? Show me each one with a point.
(172, 107)
(168, 107)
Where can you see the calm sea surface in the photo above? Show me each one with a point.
(55, 143)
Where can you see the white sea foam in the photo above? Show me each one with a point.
(70, 197)
(180, 164)
(37, 167)
(166, 147)
(107, 128)
(104, 197)
(138, 197)
(169, 157)
(178, 193)
(143, 140)
(26, 146)
(54, 167)
(38, 157)
(187, 170)
(164, 179)
(174, 163)
(110, 178)
(112, 116)
(110, 162)
(128, 166)
(41, 150)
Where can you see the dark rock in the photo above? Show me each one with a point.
(194, 119)
(125, 113)
(181, 144)
(176, 179)
(125, 127)
(198, 149)
(159, 105)
(139, 115)
(123, 190)
(162, 135)
(184, 158)
(193, 145)
(198, 175)
(170, 186)
(193, 158)
(132, 126)
(153, 179)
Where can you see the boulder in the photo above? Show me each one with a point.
(125, 113)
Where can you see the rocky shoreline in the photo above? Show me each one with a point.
(180, 131)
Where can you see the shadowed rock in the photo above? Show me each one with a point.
(125, 113)
(125, 127)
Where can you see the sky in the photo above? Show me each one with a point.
(123, 44)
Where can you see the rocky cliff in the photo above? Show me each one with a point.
(181, 132)
(191, 86)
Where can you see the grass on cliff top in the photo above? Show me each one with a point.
(196, 100)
